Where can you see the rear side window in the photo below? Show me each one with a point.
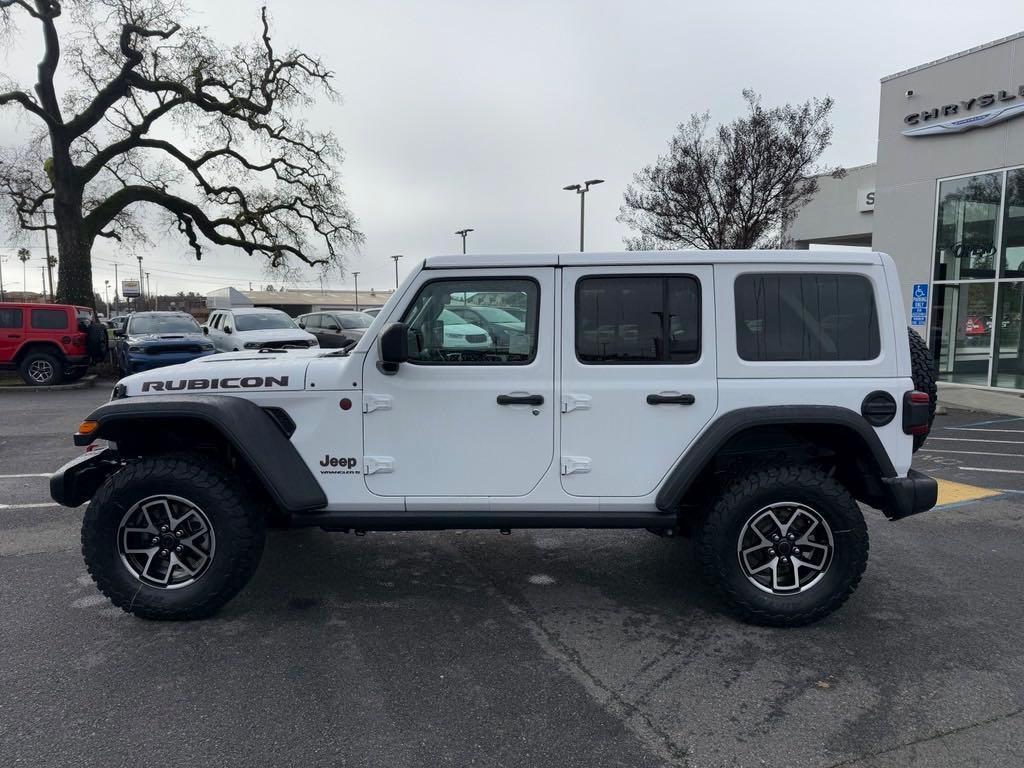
(10, 318)
(806, 317)
(638, 319)
(50, 319)
(313, 321)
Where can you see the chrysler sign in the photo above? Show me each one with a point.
(996, 107)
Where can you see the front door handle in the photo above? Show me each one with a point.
(520, 399)
(671, 399)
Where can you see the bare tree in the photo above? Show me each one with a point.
(735, 186)
(250, 174)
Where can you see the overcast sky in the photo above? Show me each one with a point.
(476, 114)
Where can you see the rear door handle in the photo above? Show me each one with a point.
(520, 399)
(671, 399)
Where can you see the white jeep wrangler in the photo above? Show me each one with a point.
(750, 399)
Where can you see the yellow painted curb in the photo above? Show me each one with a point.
(953, 493)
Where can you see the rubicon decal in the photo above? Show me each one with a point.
(232, 382)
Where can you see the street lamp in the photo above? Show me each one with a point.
(463, 233)
(106, 296)
(396, 257)
(140, 304)
(581, 190)
(356, 276)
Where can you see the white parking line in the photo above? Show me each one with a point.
(974, 453)
(41, 505)
(12, 477)
(976, 440)
(986, 429)
(992, 469)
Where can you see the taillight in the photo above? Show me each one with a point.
(916, 412)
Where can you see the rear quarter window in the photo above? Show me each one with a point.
(50, 319)
(806, 317)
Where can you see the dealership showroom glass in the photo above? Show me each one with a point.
(945, 198)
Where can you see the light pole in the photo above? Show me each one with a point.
(116, 284)
(463, 233)
(356, 276)
(396, 257)
(139, 303)
(106, 296)
(3, 296)
(149, 293)
(581, 190)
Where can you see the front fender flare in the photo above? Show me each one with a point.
(252, 433)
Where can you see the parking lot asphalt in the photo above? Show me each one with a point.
(568, 648)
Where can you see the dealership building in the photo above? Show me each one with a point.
(945, 199)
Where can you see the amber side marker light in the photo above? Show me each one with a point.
(88, 427)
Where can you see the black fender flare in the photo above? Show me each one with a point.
(703, 450)
(252, 432)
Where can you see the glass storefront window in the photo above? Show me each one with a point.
(1013, 226)
(965, 244)
(962, 323)
(1008, 363)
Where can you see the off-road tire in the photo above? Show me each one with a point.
(738, 502)
(97, 343)
(27, 370)
(922, 370)
(237, 522)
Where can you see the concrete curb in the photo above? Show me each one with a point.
(84, 383)
(974, 399)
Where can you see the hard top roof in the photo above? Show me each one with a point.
(629, 258)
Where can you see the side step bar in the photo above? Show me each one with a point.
(439, 521)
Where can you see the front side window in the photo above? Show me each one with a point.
(806, 317)
(10, 318)
(50, 319)
(439, 334)
(312, 321)
(263, 321)
(638, 319)
(965, 240)
(355, 320)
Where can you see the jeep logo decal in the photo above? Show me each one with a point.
(247, 382)
(340, 465)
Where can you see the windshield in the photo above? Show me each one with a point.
(162, 324)
(263, 321)
(355, 320)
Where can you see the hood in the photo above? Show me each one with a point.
(231, 373)
(273, 334)
(167, 338)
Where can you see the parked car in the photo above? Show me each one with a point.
(233, 330)
(157, 339)
(49, 343)
(758, 439)
(335, 329)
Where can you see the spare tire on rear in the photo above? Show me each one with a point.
(96, 342)
(922, 370)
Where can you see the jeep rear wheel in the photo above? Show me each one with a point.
(41, 369)
(922, 370)
(785, 546)
(172, 537)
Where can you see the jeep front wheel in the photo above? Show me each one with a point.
(785, 546)
(172, 537)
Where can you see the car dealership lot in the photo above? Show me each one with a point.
(543, 647)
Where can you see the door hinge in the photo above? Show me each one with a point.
(574, 465)
(575, 403)
(377, 403)
(374, 465)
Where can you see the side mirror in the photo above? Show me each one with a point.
(394, 348)
(206, 331)
(120, 334)
(333, 327)
(302, 325)
(227, 329)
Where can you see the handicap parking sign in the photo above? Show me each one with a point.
(919, 304)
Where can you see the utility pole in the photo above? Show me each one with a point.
(42, 271)
(116, 288)
(50, 261)
(2, 295)
(396, 257)
(581, 190)
(139, 303)
(106, 296)
(463, 233)
(356, 276)
(149, 293)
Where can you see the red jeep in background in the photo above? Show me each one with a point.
(49, 343)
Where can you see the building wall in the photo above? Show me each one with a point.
(908, 167)
(833, 216)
